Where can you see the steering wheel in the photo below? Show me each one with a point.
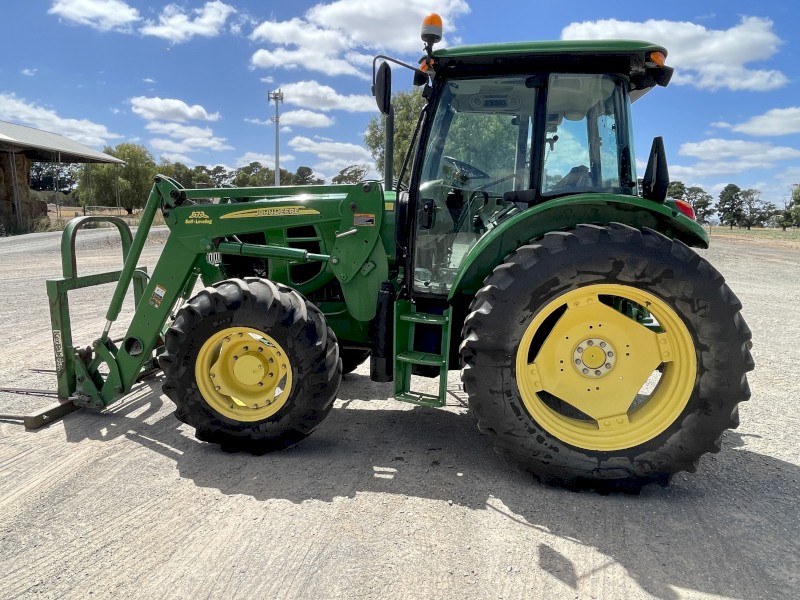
(466, 170)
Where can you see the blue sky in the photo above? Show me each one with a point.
(189, 80)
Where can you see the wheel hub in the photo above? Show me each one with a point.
(249, 370)
(594, 357)
(244, 373)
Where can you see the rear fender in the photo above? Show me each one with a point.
(567, 212)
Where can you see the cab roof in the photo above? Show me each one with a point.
(630, 58)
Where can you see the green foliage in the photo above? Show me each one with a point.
(701, 202)
(753, 212)
(472, 134)
(407, 106)
(729, 205)
(47, 176)
(790, 215)
(304, 176)
(351, 174)
(676, 189)
(101, 185)
(125, 185)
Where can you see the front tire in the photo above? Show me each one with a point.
(605, 357)
(251, 365)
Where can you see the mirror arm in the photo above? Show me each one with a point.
(427, 74)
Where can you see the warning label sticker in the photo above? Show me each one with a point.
(363, 220)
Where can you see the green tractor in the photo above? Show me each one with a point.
(597, 348)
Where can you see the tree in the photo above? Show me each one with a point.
(753, 213)
(221, 176)
(177, 171)
(729, 205)
(407, 106)
(304, 176)
(201, 176)
(48, 176)
(701, 203)
(254, 175)
(128, 184)
(789, 216)
(351, 174)
(676, 189)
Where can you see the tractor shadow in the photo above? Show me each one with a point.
(730, 530)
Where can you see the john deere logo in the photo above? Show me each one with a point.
(272, 211)
(198, 217)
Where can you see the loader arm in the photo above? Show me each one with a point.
(199, 235)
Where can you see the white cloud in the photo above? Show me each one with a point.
(298, 118)
(705, 58)
(306, 58)
(305, 118)
(729, 157)
(266, 160)
(17, 110)
(310, 94)
(177, 157)
(268, 79)
(332, 156)
(384, 23)
(149, 80)
(189, 137)
(777, 121)
(103, 15)
(177, 26)
(297, 32)
(332, 38)
(165, 145)
(29, 72)
(719, 149)
(169, 109)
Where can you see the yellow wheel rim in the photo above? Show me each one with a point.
(243, 374)
(598, 379)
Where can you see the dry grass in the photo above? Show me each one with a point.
(790, 237)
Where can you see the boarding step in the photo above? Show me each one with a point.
(408, 352)
(422, 358)
(428, 318)
(419, 398)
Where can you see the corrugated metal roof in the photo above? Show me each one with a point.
(43, 146)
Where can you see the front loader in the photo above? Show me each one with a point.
(596, 347)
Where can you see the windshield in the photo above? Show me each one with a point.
(479, 147)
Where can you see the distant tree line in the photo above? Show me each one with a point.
(736, 207)
(129, 185)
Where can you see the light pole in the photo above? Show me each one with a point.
(277, 96)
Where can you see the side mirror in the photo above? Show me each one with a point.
(656, 177)
(382, 90)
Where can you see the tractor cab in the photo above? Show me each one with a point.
(510, 127)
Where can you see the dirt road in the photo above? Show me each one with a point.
(385, 500)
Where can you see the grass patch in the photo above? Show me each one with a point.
(758, 233)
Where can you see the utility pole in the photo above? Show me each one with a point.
(277, 96)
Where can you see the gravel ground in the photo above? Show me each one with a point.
(385, 500)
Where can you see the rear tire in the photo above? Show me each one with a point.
(251, 365)
(565, 378)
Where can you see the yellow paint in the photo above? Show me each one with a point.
(608, 380)
(243, 374)
(271, 211)
(594, 357)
